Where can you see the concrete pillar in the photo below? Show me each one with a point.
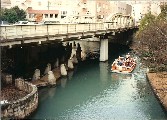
(8, 79)
(83, 56)
(70, 64)
(68, 51)
(103, 49)
(36, 75)
(63, 70)
(74, 44)
(62, 59)
(78, 52)
(74, 49)
(74, 59)
(56, 63)
(51, 78)
(48, 68)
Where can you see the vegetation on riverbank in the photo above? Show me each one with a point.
(151, 45)
(151, 41)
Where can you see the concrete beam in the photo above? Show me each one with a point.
(10, 43)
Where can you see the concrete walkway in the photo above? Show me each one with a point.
(158, 82)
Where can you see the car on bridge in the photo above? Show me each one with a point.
(4, 23)
(26, 23)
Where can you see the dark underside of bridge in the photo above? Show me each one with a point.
(22, 60)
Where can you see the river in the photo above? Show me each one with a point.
(93, 92)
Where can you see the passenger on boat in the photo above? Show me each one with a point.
(120, 63)
(127, 56)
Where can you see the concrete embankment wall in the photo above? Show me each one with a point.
(159, 85)
(24, 106)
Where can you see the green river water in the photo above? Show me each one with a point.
(93, 92)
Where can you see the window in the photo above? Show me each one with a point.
(63, 16)
(46, 15)
(51, 15)
(56, 15)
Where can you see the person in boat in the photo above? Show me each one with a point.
(127, 56)
(120, 63)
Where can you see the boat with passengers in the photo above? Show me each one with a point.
(124, 64)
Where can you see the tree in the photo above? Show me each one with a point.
(21, 14)
(151, 43)
(12, 15)
(146, 21)
(163, 14)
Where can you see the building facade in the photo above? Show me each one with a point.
(121, 7)
(5, 3)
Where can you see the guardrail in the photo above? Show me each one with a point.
(22, 31)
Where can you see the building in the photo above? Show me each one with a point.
(142, 7)
(5, 3)
(103, 9)
(121, 7)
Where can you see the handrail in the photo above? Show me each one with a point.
(22, 31)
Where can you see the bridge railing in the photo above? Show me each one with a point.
(12, 32)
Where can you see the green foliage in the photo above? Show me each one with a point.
(21, 14)
(146, 21)
(163, 14)
(12, 15)
(164, 8)
(151, 41)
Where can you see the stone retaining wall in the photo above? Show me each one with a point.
(24, 106)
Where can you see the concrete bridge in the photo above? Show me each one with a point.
(25, 34)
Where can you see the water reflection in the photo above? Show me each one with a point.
(119, 76)
(63, 82)
(70, 73)
(103, 71)
(47, 93)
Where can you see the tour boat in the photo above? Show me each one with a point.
(123, 65)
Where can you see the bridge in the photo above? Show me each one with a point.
(24, 34)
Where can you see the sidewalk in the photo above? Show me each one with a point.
(159, 84)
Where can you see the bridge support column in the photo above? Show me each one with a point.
(48, 68)
(78, 52)
(56, 63)
(103, 49)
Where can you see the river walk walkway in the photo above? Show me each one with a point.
(158, 82)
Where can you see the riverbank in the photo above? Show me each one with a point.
(158, 82)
